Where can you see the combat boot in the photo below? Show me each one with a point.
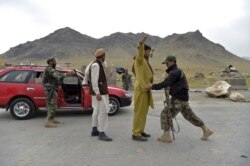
(165, 137)
(55, 121)
(104, 137)
(49, 123)
(94, 131)
(206, 133)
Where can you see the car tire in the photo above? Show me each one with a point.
(22, 108)
(114, 106)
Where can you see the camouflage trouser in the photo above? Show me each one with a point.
(52, 104)
(168, 113)
(125, 86)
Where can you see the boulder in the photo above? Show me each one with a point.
(235, 96)
(219, 89)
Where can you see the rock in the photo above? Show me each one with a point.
(198, 75)
(235, 96)
(219, 89)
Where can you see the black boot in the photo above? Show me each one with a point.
(104, 137)
(94, 131)
(139, 138)
(145, 135)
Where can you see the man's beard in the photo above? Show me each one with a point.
(54, 65)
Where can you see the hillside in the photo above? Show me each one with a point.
(192, 49)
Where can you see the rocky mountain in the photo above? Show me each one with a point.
(62, 43)
(191, 48)
(247, 58)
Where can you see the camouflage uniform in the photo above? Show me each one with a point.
(50, 75)
(126, 80)
(168, 113)
(178, 89)
(179, 103)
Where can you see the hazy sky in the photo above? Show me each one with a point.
(226, 22)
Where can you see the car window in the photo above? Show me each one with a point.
(70, 80)
(37, 77)
(16, 76)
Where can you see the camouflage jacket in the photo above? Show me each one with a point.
(52, 76)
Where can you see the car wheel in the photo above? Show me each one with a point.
(114, 106)
(22, 108)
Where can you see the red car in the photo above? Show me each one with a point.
(21, 92)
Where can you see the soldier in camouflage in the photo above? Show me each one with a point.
(177, 82)
(126, 80)
(50, 80)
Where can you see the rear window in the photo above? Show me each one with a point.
(36, 78)
(72, 80)
(19, 76)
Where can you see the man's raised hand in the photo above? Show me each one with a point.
(144, 39)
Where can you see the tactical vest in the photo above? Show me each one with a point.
(102, 81)
(49, 79)
(180, 88)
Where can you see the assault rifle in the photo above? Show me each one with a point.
(54, 84)
(167, 103)
(51, 92)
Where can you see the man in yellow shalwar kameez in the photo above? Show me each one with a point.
(142, 99)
